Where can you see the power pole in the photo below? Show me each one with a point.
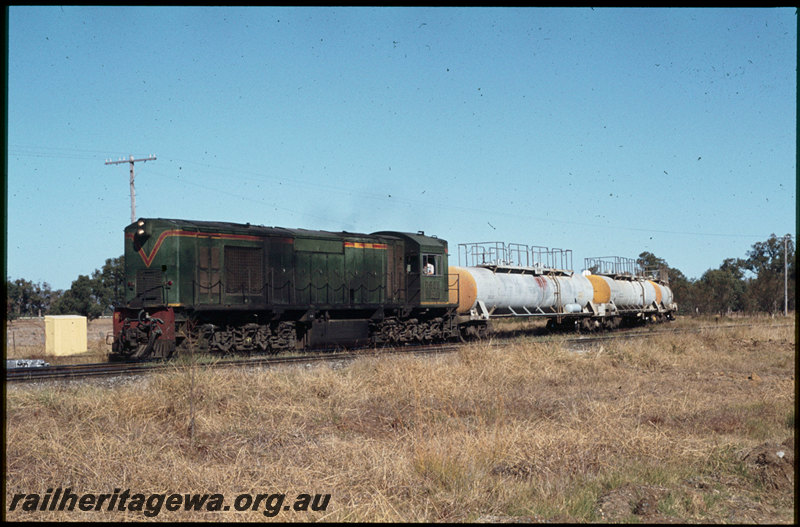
(785, 279)
(133, 190)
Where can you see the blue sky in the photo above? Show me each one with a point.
(604, 131)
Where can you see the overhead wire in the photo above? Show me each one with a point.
(75, 153)
(471, 210)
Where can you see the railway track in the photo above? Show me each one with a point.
(105, 369)
(652, 332)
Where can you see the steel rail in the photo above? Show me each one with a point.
(104, 369)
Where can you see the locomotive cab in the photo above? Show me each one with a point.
(425, 269)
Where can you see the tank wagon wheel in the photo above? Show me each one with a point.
(473, 332)
(610, 323)
(592, 325)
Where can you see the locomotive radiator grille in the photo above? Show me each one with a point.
(148, 285)
(244, 270)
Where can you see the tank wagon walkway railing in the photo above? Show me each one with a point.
(501, 254)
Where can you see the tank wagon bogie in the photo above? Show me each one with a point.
(226, 287)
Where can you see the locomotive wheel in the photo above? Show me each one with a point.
(187, 338)
(222, 341)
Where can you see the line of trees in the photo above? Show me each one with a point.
(743, 285)
(754, 284)
(90, 296)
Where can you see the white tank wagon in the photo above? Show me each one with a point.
(632, 289)
(508, 291)
(517, 281)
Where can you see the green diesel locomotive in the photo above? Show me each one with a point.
(229, 287)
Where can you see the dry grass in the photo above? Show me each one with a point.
(670, 428)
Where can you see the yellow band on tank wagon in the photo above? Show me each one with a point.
(602, 291)
(658, 291)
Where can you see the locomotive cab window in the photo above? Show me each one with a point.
(432, 264)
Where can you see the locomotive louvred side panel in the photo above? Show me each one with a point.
(365, 267)
(208, 282)
(280, 272)
(244, 272)
(319, 268)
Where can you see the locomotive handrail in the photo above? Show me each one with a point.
(250, 290)
(208, 288)
(361, 288)
(273, 286)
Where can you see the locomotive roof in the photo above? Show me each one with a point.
(204, 225)
(425, 242)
